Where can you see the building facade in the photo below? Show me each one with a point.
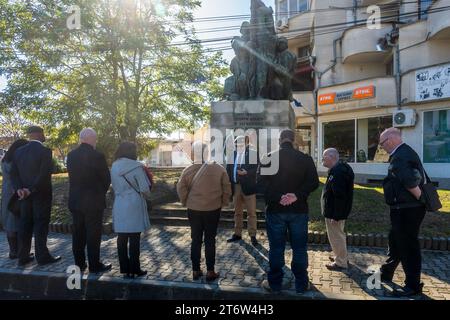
(357, 75)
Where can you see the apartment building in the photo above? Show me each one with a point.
(355, 79)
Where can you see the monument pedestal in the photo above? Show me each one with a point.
(260, 119)
(257, 114)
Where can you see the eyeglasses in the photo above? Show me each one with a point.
(384, 141)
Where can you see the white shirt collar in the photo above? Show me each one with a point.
(37, 141)
(393, 151)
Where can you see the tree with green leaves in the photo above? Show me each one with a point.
(133, 67)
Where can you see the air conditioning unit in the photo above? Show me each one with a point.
(404, 118)
(283, 23)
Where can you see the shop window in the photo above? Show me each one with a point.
(436, 137)
(341, 136)
(368, 138)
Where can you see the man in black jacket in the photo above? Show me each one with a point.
(286, 193)
(404, 196)
(242, 173)
(31, 175)
(336, 203)
(89, 180)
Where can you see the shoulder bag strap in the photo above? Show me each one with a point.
(196, 177)
(131, 185)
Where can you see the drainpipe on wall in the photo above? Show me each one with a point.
(316, 92)
(398, 77)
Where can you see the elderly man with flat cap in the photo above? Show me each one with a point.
(31, 174)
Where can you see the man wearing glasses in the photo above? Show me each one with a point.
(403, 194)
(242, 173)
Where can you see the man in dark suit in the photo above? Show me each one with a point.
(89, 180)
(31, 176)
(242, 173)
(403, 193)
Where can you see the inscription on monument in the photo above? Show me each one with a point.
(249, 121)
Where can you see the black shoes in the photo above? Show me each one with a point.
(140, 273)
(234, 238)
(101, 268)
(407, 291)
(334, 267)
(23, 263)
(49, 260)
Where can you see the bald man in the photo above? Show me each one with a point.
(403, 194)
(89, 180)
(336, 203)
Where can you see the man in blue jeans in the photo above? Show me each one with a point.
(286, 193)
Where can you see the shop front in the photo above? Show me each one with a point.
(427, 91)
(351, 118)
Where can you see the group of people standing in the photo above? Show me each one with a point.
(27, 170)
(205, 188)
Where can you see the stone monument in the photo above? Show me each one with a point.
(258, 95)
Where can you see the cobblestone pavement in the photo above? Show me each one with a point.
(165, 254)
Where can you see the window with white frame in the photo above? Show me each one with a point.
(289, 8)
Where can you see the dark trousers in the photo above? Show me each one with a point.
(129, 255)
(87, 231)
(34, 218)
(404, 245)
(203, 225)
(277, 225)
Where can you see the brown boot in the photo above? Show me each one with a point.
(211, 276)
(197, 274)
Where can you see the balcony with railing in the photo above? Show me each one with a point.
(361, 44)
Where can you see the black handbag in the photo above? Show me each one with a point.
(430, 194)
(14, 204)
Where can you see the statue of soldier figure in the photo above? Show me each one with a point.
(263, 66)
(283, 69)
(264, 37)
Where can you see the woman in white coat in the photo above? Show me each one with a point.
(130, 216)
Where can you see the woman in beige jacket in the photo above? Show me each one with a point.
(204, 188)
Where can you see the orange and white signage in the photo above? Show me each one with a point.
(328, 98)
(366, 92)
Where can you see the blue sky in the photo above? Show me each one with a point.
(215, 8)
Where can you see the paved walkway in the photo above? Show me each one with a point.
(165, 255)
